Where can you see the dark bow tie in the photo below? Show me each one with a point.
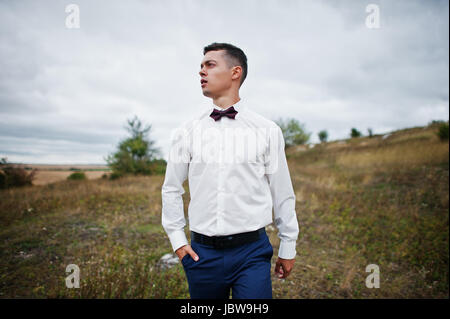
(230, 112)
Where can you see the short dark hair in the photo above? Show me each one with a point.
(235, 56)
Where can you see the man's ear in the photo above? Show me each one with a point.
(236, 72)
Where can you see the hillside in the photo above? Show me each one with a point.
(382, 200)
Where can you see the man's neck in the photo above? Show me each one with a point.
(226, 101)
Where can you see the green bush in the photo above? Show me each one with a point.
(294, 132)
(355, 133)
(436, 122)
(323, 136)
(77, 176)
(115, 175)
(443, 131)
(159, 166)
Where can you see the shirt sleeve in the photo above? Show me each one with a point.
(173, 219)
(283, 195)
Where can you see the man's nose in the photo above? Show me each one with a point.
(202, 71)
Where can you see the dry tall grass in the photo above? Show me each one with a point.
(359, 202)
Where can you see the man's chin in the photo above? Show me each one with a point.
(206, 93)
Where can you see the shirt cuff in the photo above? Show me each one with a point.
(287, 249)
(178, 239)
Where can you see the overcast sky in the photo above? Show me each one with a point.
(66, 93)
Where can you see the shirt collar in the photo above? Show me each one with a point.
(237, 106)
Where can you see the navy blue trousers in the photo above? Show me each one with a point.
(243, 270)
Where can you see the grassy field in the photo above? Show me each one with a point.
(46, 174)
(382, 201)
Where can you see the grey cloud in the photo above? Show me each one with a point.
(313, 60)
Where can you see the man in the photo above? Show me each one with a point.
(237, 171)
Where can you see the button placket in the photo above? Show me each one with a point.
(220, 180)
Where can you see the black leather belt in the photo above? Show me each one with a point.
(230, 241)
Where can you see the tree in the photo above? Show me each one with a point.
(136, 154)
(370, 132)
(323, 136)
(293, 132)
(355, 133)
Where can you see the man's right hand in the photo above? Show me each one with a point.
(184, 250)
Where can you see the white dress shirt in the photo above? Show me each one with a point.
(237, 172)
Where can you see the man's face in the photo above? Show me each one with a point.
(214, 69)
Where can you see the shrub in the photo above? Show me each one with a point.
(436, 122)
(13, 176)
(355, 133)
(77, 176)
(323, 136)
(159, 166)
(115, 175)
(443, 131)
(294, 132)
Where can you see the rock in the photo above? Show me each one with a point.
(24, 255)
(168, 261)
